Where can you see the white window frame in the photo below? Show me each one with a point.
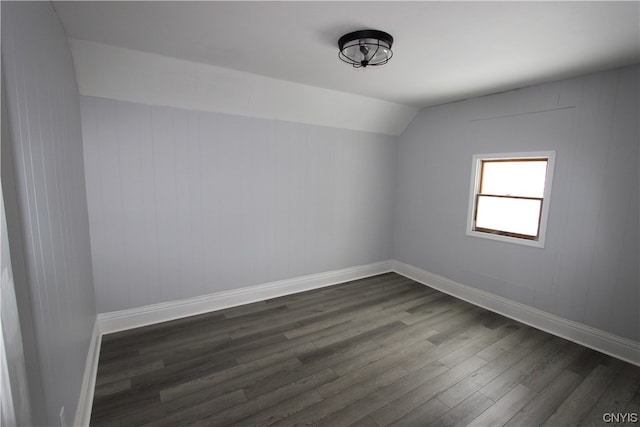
(475, 187)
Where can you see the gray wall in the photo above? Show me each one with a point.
(44, 190)
(14, 384)
(185, 203)
(588, 271)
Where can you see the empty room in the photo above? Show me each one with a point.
(286, 213)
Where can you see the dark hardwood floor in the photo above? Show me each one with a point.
(373, 352)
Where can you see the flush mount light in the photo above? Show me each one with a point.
(365, 48)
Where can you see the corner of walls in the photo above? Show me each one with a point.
(394, 227)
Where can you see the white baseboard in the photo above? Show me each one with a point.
(150, 314)
(587, 336)
(83, 411)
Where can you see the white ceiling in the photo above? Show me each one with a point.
(443, 51)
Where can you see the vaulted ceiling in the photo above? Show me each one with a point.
(443, 51)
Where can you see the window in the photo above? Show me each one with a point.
(509, 197)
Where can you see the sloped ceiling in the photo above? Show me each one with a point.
(443, 51)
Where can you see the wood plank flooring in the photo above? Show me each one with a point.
(373, 352)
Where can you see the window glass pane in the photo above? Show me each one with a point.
(517, 178)
(511, 215)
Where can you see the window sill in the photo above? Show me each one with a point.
(507, 239)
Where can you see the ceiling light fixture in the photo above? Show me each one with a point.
(365, 48)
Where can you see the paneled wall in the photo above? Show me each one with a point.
(44, 190)
(185, 203)
(588, 270)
